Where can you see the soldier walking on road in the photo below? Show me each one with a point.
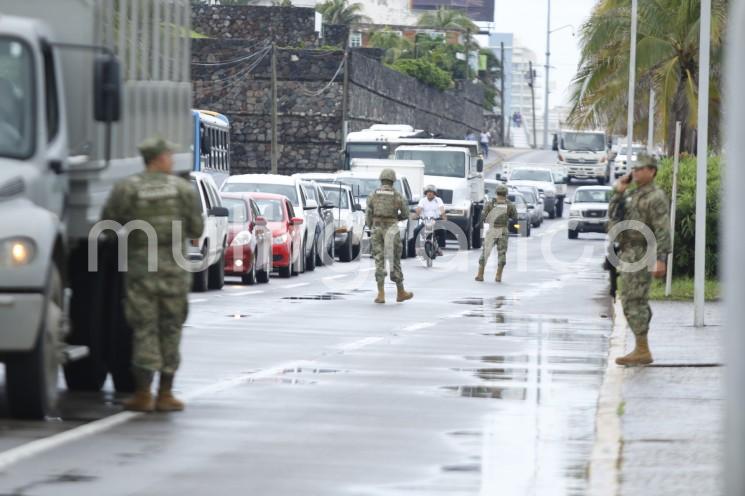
(645, 204)
(156, 302)
(385, 207)
(497, 213)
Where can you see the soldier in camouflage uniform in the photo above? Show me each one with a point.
(385, 207)
(497, 213)
(156, 302)
(647, 204)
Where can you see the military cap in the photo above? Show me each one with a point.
(645, 160)
(502, 190)
(154, 146)
(388, 175)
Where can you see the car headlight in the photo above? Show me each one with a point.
(16, 252)
(241, 239)
(281, 239)
(575, 213)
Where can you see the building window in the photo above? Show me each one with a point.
(355, 39)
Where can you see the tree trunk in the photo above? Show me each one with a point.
(680, 112)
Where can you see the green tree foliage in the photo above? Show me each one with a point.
(444, 18)
(395, 45)
(685, 221)
(342, 12)
(425, 71)
(668, 46)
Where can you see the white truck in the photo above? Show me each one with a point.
(457, 172)
(82, 82)
(584, 154)
(412, 170)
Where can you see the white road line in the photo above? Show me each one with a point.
(198, 300)
(298, 285)
(246, 293)
(331, 278)
(356, 345)
(416, 327)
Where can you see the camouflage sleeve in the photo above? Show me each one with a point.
(403, 207)
(511, 211)
(485, 213)
(193, 220)
(613, 206)
(116, 205)
(660, 223)
(369, 210)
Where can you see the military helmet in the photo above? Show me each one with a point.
(645, 160)
(502, 190)
(430, 187)
(388, 175)
(154, 146)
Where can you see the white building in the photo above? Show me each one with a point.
(396, 12)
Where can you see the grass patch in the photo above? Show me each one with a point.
(682, 289)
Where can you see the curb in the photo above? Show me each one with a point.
(605, 461)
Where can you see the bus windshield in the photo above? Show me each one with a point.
(437, 162)
(16, 99)
(583, 142)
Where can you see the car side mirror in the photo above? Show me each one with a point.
(531, 207)
(357, 207)
(480, 165)
(218, 212)
(107, 89)
(260, 221)
(499, 176)
(296, 221)
(327, 205)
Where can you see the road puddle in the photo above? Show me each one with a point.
(321, 297)
(490, 392)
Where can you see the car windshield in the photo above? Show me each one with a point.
(437, 162)
(287, 190)
(237, 212)
(528, 195)
(531, 175)
(592, 196)
(635, 150)
(362, 187)
(516, 199)
(271, 210)
(16, 100)
(337, 196)
(583, 142)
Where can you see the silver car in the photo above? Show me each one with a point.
(535, 204)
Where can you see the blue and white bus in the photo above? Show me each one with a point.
(211, 144)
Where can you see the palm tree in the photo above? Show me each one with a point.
(393, 43)
(444, 18)
(667, 61)
(340, 12)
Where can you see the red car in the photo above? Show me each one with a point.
(249, 251)
(286, 230)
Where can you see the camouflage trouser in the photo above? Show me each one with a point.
(495, 236)
(156, 320)
(635, 294)
(386, 245)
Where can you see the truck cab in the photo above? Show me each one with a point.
(584, 154)
(457, 174)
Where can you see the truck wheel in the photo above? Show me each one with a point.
(560, 207)
(469, 237)
(216, 276)
(31, 377)
(250, 277)
(552, 213)
(476, 237)
(573, 234)
(199, 283)
(346, 254)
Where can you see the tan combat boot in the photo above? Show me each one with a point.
(640, 356)
(142, 400)
(498, 277)
(381, 293)
(480, 276)
(402, 294)
(166, 402)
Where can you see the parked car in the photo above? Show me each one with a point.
(535, 204)
(319, 177)
(621, 165)
(325, 248)
(249, 253)
(287, 232)
(522, 226)
(304, 207)
(349, 221)
(589, 211)
(541, 178)
(209, 249)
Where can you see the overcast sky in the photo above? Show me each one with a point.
(527, 20)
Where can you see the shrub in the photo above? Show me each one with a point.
(424, 71)
(685, 219)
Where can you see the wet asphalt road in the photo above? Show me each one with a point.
(304, 386)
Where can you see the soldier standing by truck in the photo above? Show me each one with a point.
(385, 207)
(156, 302)
(497, 214)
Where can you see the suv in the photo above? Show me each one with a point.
(325, 242)
(209, 249)
(541, 178)
(350, 221)
(589, 211)
(305, 207)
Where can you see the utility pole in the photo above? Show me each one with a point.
(345, 97)
(275, 154)
(531, 83)
(650, 133)
(548, 56)
(501, 83)
(632, 78)
(702, 155)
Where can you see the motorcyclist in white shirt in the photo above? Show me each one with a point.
(431, 206)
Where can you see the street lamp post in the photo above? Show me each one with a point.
(548, 56)
(632, 78)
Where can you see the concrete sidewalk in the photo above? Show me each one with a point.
(668, 431)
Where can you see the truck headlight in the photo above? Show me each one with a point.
(575, 213)
(241, 239)
(16, 252)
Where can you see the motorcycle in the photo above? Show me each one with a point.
(426, 243)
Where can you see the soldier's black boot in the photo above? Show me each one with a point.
(142, 400)
(166, 402)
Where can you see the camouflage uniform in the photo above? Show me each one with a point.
(385, 207)
(497, 213)
(648, 205)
